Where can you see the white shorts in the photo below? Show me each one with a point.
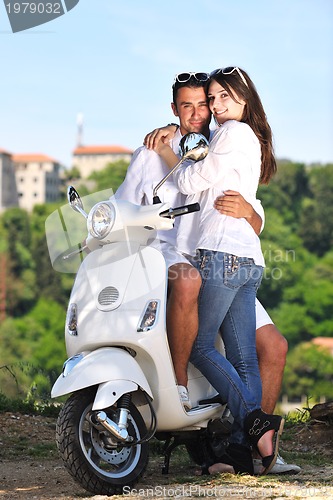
(170, 253)
(262, 317)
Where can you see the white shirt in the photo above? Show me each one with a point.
(233, 162)
(143, 174)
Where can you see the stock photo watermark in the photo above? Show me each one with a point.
(219, 491)
(276, 260)
(25, 15)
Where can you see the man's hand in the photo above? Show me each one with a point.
(234, 204)
(164, 133)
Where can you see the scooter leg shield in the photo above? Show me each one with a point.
(100, 366)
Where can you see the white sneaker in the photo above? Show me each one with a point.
(280, 467)
(184, 397)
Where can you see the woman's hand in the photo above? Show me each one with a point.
(167, 133)
(164, 150)
(161, 146)
(233, 203)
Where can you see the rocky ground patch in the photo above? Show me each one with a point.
(31, 468)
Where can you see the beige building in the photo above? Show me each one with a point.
(37, 179)
(8, 191)
(324, 343)
(90, 159)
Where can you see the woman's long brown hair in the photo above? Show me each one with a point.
(254, 115)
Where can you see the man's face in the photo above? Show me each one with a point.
(192, 110)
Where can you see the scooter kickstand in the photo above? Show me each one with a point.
(167, 450)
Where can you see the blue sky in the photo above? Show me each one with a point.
(115, 63)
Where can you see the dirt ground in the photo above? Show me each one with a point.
(31, 468)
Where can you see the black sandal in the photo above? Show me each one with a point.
(256, 424)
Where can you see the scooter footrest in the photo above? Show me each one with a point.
(211, 401)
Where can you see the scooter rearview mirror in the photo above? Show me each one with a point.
(74, 200)
(193, 147)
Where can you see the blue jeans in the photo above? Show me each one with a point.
(227, 301)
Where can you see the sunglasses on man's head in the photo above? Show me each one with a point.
(185, 77)
(228, 71)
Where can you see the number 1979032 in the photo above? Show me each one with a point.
(34, 8)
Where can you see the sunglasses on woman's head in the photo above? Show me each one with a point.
(228, 71)
(185, 77)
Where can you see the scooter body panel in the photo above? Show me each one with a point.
(133, 282)
(139, 273)
(103, 365)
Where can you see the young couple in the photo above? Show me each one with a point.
(230, 259)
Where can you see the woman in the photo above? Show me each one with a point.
(231, 261)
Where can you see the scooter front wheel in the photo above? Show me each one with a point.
(92, 456)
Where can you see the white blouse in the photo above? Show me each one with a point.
(233, 162)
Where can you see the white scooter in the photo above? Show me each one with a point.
(120, 371)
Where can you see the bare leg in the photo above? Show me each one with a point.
(182, 316)
(221, 468)
(272, 349)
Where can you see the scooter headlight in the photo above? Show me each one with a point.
(101, 219)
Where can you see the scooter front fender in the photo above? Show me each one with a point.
(110, 365)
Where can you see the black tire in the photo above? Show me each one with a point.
(97, 463)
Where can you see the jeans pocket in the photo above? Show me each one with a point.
(260, 272)
(236, 273)
(204, 266)
(205, 263)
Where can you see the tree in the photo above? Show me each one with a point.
(304, 311)
(33, 349)
(48, 281)
(309, 371)
(72, 174)
(316, 221)
(286, 191)
(20, 267)
(18, 236)
(111, 176)
(285, 259)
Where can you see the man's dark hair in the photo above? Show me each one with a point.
(192, 82)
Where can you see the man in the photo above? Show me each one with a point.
(145, 171)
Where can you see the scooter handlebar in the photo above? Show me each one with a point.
(176, 212)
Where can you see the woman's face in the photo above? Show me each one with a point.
(222, 105)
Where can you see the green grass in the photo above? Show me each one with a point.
(18, 447)
(43, 450)
(28, 406)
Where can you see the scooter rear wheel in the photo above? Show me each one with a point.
(92, 456)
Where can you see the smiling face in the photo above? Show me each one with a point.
(222, 105)
(192, 109)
